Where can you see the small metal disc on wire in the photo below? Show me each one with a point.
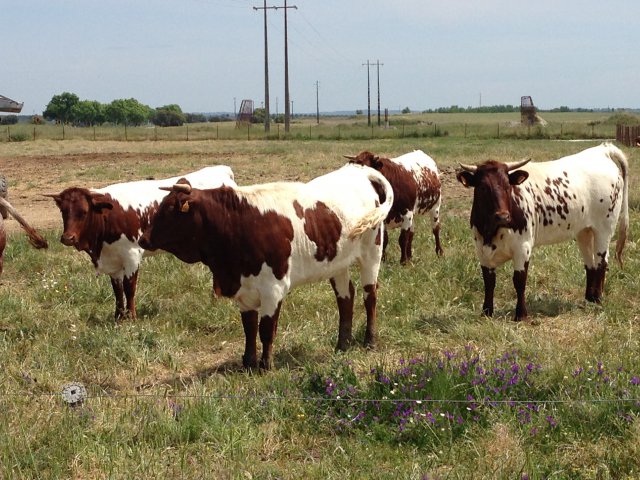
(74, 394)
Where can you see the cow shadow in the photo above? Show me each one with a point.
(292, 358)
(183, 382)
(538, 306)
(549, 306)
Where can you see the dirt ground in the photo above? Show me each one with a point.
(31, 177)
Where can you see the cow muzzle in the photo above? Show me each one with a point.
(68, 240)
(145, 243)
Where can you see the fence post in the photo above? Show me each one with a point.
(187, 132)
(248, 131)
(34, 133)
(217, 132)
(8, 134)
(62, 130)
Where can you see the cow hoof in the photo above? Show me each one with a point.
(250, 363)
(370, 343)
(265, 364)
(593, 299)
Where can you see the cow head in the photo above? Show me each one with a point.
(174, 224)
(366, 158)
(83, 214)
(492, 183)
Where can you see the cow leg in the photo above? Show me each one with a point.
(118, 292)
(601, 244)
(489, 278)
(385, 242)
(520, 283)
(403, 241)
(345, 295)
(370, 301)
(3, 243)
(435, 226)
(436, 236)
(369, 268)
(250, 326)
(130, 284)
(268, 328)
(406, 237)
(585, 239)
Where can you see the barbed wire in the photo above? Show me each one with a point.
(319, 399)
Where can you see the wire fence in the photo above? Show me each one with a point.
(349, 130)
(75, 401)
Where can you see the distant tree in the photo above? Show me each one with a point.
(221, 118)
(88, 113)
(8, 120)
(129, 112)
(168, 116)
(195, 117)
(60, 106)
(406, 110)
(258, 115)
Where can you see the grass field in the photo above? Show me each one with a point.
(446, 394)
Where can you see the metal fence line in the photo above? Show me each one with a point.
(286, 398)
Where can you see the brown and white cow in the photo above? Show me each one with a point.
(518, 206)
(34, 238)
(415, 180)
(262, 240)
(106, 223)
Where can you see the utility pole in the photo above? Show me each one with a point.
(378, 64)
(368, 95)
(267, 123)
(286, 66)
(317, 105)
(287, 111)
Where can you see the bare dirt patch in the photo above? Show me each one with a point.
(32, 176)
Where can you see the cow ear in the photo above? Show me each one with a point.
(517, 177)
(376, 163)
(466, 178)
(100, 202)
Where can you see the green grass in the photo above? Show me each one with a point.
(168, 399)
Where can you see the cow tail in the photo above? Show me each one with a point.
(34, 238)
(623, 222)
(376, 216)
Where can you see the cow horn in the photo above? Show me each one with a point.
(181, 187)
(518, 164)
(469, 168)
(349, 157)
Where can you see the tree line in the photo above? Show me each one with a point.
(67, 108)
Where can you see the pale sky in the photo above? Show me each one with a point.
(203, 54)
